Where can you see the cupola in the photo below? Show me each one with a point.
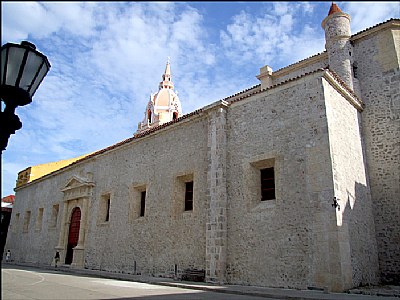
(163, 106)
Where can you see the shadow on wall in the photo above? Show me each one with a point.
(357, 215)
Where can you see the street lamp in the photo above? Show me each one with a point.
(22, 70)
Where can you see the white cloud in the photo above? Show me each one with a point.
(281, 8)
(40, 19)
(271, 37)
(76, 17)
(17, 15)
(307, 7)
(367, 14)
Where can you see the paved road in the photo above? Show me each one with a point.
(21, 283)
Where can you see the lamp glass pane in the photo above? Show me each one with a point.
(32, 65)
(39, 78)
(3, 63)
(15, 56)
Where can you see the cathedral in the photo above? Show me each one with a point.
(292, 183)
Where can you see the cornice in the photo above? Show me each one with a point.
(300, 64)
(389, 24)
(343, 89)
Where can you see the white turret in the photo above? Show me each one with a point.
(337, 43)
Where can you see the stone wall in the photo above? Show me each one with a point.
(377, 56)
(354, 218)
(274, 242)
(299, 240)
(166, 236)
(216, 235)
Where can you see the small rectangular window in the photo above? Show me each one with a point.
(267, 184)
(142, 203)
(189, 196)
(54, 215)
(104, 209)
(183, 194)
(355, 70)
(27, 220)
(39, 219)
(108, 209)
(137, 201)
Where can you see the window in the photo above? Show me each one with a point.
(27, 219)
(174, 116)
(183, 194)
(105, 206)
(39, 219)
(189, 196)
(108, 209)
(142, 203)
(355, 70)
(137, 202)
(267, 184)
(149, 116)
(54, 215)
(262, 181)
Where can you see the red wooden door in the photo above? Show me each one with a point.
(73, 234)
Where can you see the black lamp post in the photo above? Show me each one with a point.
(22, 70)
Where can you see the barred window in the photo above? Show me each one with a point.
(267, 184)
(189, 196)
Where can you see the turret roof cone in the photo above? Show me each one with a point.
(334, 12)
(334, 9)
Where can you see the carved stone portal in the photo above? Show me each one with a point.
(78, 192)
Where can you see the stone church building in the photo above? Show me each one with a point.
(293, 182)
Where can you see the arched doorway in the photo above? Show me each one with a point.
(73, 234)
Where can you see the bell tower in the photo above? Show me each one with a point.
(163, 106)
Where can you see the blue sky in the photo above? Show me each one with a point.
(107, 57)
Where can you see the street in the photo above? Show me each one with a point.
(32, 283)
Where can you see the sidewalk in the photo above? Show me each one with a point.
(371, 293)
